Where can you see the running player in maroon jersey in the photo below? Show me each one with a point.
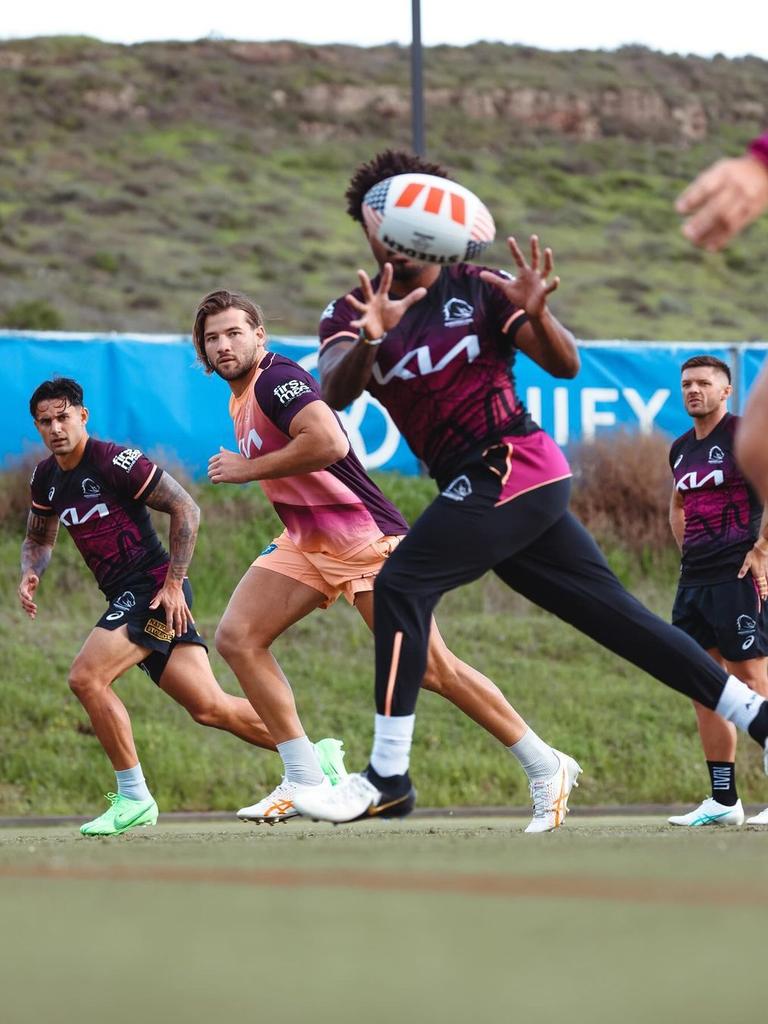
(101, 492)
(435, 345)
(719, 525)
(339, 530)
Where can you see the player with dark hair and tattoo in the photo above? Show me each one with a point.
(436, 345)
(720, 526)
(101, 492)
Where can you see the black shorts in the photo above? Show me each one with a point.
(729, 616)
(147, 627)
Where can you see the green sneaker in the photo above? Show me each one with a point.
(330, 754)
(121, 815)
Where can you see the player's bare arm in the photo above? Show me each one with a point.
(677, 517)
(756, 560)
(36, 551)
(169, 496)
(722, 200)
(317, 441)
(543, 338)
(751, 449)
(346, 368)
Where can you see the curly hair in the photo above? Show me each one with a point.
(385, 165)
(219, 302)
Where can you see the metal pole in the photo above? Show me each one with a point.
(417, 83)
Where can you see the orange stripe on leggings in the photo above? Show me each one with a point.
(397, 643)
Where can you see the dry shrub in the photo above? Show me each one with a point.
(14, 492)
(622, 484)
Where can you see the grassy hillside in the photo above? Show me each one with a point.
(636, 740)
(133, 179)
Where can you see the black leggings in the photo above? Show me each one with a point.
(540, 550)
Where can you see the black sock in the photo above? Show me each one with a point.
(392, 785)
(758, 727)
(723, 777)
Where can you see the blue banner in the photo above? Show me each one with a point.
(149, 391)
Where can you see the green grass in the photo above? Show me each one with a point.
(602, 920)
(636, 740)
(219, 164)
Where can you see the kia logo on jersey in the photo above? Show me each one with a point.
(421, 361)
(250, 444)
(691, 482)
(71, 517)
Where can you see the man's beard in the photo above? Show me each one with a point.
(406, 272)
(232, 371)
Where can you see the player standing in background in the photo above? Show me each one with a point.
(434, 345)
(720, 526)
(339, 530)
(101, 492)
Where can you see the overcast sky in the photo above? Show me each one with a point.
(681, 26)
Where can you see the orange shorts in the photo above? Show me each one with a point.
(331, 575)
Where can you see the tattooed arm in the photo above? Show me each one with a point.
(169, 496)
(36, 553)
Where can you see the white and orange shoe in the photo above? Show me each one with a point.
(278, 806)
(550, 795)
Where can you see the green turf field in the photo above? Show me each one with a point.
(605, 920)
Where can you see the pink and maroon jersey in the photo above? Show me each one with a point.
(722, 512)
(444, 374)
(102, 504)
(338, 510)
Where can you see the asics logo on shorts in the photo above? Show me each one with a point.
(458, 489)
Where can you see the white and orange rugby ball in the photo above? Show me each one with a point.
(427, 218)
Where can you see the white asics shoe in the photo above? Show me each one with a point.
(710, 812)
(759, 819)
(280, 804)
(550, 795)
(357, 797)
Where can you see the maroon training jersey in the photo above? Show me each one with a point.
(102, 504)
(337, 510)
(444, 373)
(722, 512)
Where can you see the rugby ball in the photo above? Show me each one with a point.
(426, 218)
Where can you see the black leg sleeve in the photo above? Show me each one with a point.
(565, 572)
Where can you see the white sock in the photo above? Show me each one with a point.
(392, 738)
(537, 758)
(738, 703)
(301, 763)
(131, 784)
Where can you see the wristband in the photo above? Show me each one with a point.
(372, 342)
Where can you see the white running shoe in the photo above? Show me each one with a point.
(759, 819)
(710, 812)
(280, 804)
(356, 797)
(550, 795)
